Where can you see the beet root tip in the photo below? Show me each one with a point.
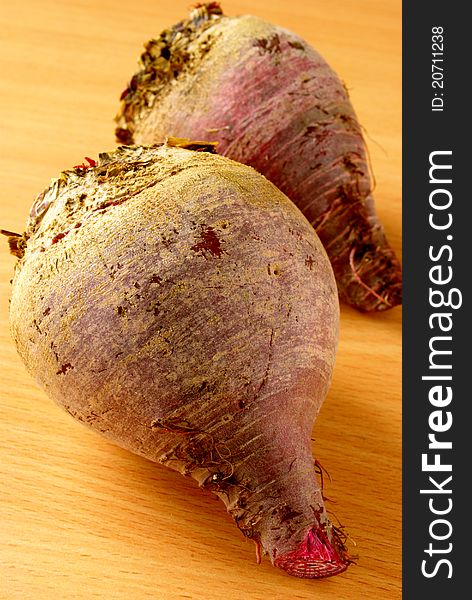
(314, 558)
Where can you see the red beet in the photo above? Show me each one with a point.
(272, 102)
(178, 303)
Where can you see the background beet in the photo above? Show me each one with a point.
(270, 101)
(82, 517)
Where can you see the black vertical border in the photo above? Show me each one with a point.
(425, 131)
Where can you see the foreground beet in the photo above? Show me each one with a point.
(271, 102)
(178, 303)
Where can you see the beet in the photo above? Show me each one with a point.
(272, 102)
(178, 303)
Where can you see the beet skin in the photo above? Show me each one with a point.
(272, 102)
(178, 303)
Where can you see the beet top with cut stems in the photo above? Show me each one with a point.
(178, 303)
(272, 102)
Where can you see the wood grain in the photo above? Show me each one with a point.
(82, 519)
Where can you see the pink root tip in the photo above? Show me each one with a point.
(314, 558)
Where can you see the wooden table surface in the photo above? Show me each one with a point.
(84, 519)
